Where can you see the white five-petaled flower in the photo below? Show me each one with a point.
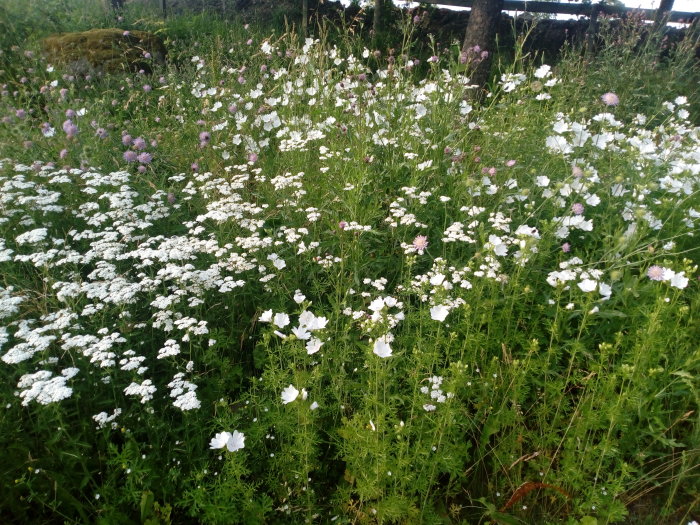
(281, 320)
(289, 394)
(233, 442)
(382, 347)
(588, 285)
(439, 312)
(313, 345)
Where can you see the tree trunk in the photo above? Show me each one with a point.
(164, 6)
(480, 38)
(662, 13)
(304, 18)
(377, 26)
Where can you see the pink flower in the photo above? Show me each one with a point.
(420, 243)
(70, 129)
(610, 99)
(656, 273)
(577, 208)
(566, 247)
(145, 158)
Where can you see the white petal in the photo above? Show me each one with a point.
(236, 441)
(220, 440)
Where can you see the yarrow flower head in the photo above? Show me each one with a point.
(610, 99)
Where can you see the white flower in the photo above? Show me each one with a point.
(679, 280)
(313, 406)
(437, 279)
(588, 285)
(233, 442)
(376, 305)
(439, 313)
(313, 345)
(281, 320)
(32, 236)
(301, 333)
(266, 316)
(543, 71)
(542, 181)
(289, 394)
(299, 297)
(381, 347)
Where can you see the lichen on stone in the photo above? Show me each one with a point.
(109, 50)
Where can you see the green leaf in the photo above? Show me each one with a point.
(147, 501)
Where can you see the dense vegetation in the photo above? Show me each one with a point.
(280, 280)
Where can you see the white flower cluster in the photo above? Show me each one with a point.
(435, 392)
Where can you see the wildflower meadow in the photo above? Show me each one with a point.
(277, 279)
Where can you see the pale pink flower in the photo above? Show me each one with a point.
(420, 243)
(656, 273)
(610, 99)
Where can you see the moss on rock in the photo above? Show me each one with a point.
(108, 50)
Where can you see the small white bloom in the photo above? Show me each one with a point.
(437, 279)
(301, 333)
(233, 442)
(679, 280)
(588, 285)
(281, 320)
(439, 313)
(543, 71)
(313, 345)
(382, 347)
(289, 394)
(266, 316)
(219, 440)
(236, 441)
